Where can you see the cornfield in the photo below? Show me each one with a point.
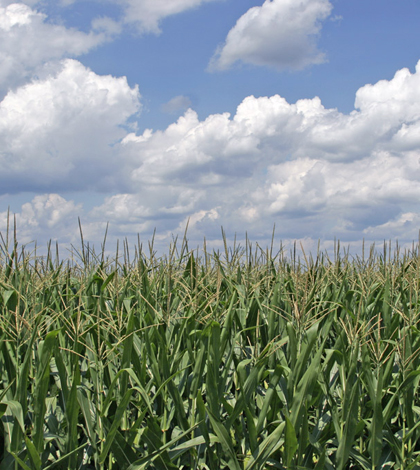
(243, 359)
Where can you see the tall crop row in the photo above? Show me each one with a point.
(240, 361)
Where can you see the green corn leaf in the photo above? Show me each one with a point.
(122, 451)
(374, 386)
(22, 388)
(10, 299)
(127, 351)
(72, 412)
(269, 397)
(389, 410)
(34, 457)
(115, 425)
(16, 410)
(197, 374)
(213, 363)
(301, 362)
(142, 463)
(3, 408)
(14, 430)
(252, 431)
(290, 442)
(247, 390)
(88, 411)
(225, 441)
(20, 461)
(202, 416)
(177, 451)
(364, 463)
(58, 463)
(377, 423)
(63, 372)
(267, 447)
(107, 281)
(227, 324)
(304, 389)
(347, 437)
(41, 389)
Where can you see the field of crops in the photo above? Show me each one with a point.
(244, 359)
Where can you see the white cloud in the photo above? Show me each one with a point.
(45, 214)
(405, 226)
(28, 41)
(281, 33)
(314, 172)
(145, 14)
(316, 169)
(58, 132)
(148, 13)
(178, 103)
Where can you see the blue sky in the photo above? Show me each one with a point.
(243, 114)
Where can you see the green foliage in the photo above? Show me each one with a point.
(242, 361)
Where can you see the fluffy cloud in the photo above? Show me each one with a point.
(145, 14)
(314, 169)
(280, 33)
(59, 131)
(45, 214)
(314, 172)
(28, 41)
(405, 226)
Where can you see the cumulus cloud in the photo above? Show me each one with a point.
(45, 214)
(405, 226)
(313, 171)
(28, 41)
(59, 131)
(280, 33)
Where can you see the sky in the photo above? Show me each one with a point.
(148, 115)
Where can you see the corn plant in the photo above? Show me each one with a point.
(237, 360)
